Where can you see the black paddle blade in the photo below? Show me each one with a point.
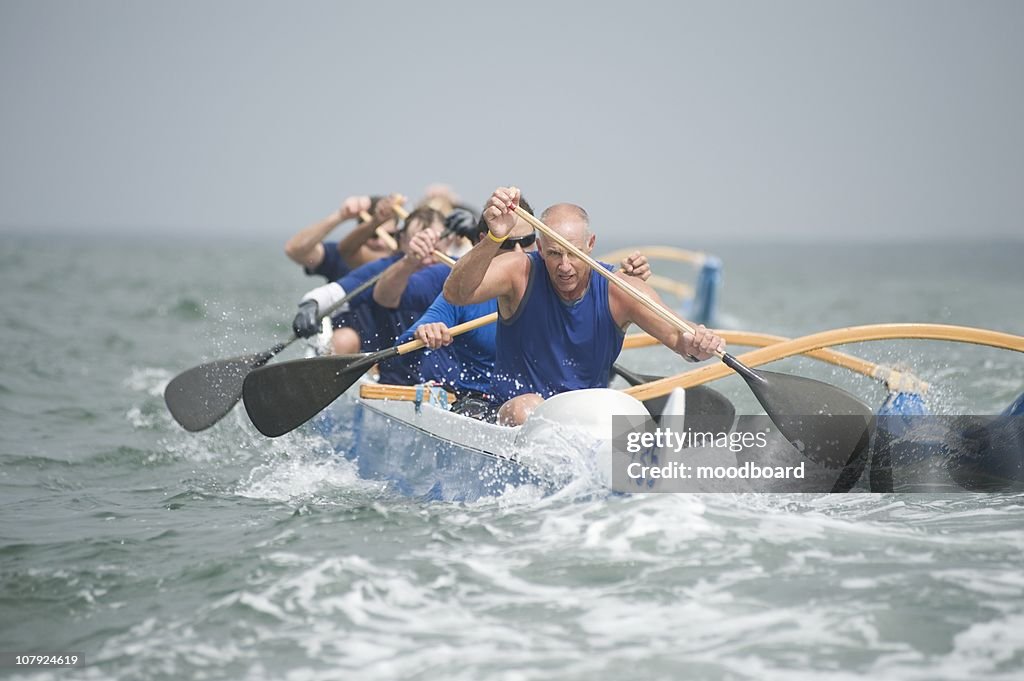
(827, 424)
(713, 407)
(710, 408)
(281, 397)
(655, 405)
(203, 395)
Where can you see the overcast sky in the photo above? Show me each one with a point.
(739, 119)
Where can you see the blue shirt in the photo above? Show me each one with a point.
(550, 346)
(424, 287)
(362, 274)
(466, 364)
(420, 291)
(361, 315)
(333, 266)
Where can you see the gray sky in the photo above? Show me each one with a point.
(665, 120)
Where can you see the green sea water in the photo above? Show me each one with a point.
(158, 554)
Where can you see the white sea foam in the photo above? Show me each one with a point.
(303, 477)
(150, 380)
(139, 420)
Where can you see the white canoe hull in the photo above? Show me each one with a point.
(434, 454)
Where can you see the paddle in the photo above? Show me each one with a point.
(655, 405)
(281, 397)
(384, 236)
(203, 395)
(828, 424)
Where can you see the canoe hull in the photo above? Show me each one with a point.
(428, 453)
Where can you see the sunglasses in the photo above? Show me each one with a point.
(523, 242)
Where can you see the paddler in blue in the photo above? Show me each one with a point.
(560, 327)
(334, 260)
(415, 279)
(465, 367)
(465, 364)
(374, 327)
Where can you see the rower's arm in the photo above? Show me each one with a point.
(353, 247)
(393, 282)
(626, 310)
(352, 243)
(440, 311)
(480, 276)
(306, 247)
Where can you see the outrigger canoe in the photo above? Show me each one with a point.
(409, 439)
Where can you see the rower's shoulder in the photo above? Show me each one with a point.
(513, 261)
(621, 303)
(514, 272)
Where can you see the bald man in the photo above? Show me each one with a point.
(560, 327)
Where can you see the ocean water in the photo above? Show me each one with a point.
(158, 554)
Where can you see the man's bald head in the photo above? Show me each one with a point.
(565, 212)
(569, 220)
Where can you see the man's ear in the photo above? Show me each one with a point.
(591, 240)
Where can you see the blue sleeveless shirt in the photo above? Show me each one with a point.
(549, 346)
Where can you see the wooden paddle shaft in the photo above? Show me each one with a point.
(414, 345)
(401, 393)
(630, 290)
(445, 258)
(388, 240)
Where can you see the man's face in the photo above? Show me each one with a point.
(569, 275)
